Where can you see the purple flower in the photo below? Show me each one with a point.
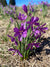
(12, 39)
(21, 33)
(41, 2)
(29, 3)
(48, 4)
(30, 7)
(24, 25)
(39, 30)
(22, 17)
(2, 7)
(11, 6)
(25, 8)
(42, 28)
(41, 9)
(15, 51)
(44, 3)
(7, 12)
(24, 34)
(11, 19)
(33, 21)
(36, 19)
(30, 45)
(36, 32)
(32, 10)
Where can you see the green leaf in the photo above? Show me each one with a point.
(28, 19)
(18, 24)
(22, 48)
(29, 31)
(25, 55)
(28, 52)
(5, 38)
(8, 27)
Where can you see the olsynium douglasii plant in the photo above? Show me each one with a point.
(44, 6)
(8, 11)
(1, 11)
(31, 9)
(26, 35)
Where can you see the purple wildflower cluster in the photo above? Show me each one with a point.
(43, 8)
(8, 10)
(26, 36)
(22, 17)
(44, 3)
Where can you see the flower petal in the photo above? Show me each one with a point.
(16, 43)
(19, 53)
(25, 8)
(16, 29)
(11, 49)
(24, 34)
(12, 38)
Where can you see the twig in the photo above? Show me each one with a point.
(33, 64)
